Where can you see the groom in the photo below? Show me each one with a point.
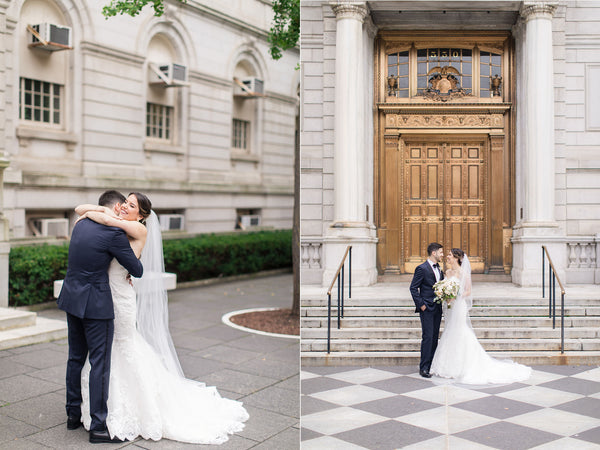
(421, 289)
(86, 298)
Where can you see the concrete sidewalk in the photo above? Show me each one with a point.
(261, 371)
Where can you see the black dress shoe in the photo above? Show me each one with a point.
(73, 422)
(425, 374)
(102, 437)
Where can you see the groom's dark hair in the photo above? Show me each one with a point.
(110, 198)
(433, 247)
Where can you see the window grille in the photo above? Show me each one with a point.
(490, 64)
(40, 101)
(239, 135)
(159, 121)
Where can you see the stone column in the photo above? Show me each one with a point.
(536, 224)
(350, 225)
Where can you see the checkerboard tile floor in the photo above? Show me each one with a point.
(393, 407)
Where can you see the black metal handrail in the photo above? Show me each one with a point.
(339, 276)
(552, 279)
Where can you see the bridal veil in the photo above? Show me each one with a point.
(152, 299)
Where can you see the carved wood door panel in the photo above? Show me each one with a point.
(444, 186)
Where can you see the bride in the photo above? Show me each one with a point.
(148, 394)
(459, 354)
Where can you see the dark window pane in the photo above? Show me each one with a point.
(46, 116)
(27, 114)
(56, 103)
(56, 117)
(46, 101)
(467, 54)
(56, 90)
(27, 84)
(37, 85)
(422, 54)
(46, 88)
(37, 100)
(27, 98)
(37, 115)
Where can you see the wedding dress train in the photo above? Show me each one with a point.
(145, 398)
(459, 354)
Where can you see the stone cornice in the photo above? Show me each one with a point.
(532, 9)
(88, 47)
(349, 10)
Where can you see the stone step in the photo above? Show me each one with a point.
(44, 330)
(482, 333)
(13, 318)
(495, 311)
(477, 322)
(407, 301)
(363, 359)
(414, 345)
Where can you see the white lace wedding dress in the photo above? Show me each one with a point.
(145, 398)
(459, 354)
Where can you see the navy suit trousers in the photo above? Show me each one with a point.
(93, 336)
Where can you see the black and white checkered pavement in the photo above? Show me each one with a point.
(393, 407)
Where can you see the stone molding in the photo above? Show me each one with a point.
(357, 11)
(536, 10)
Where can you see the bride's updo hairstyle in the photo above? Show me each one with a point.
(458, 254)
(144, 205)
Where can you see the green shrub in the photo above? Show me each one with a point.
(33, 269)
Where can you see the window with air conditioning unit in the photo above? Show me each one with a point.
(169, 75)
(249, 87)
(170, 222)
(50, 37)
(58, 227)
(248, 218)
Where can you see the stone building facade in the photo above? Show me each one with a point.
(188, 107)
(471, 123)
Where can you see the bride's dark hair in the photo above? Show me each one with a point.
(458, 254)
(144, 205)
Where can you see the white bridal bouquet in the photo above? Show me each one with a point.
(446, 290)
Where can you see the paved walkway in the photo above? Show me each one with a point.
(393, 407)
(261, 371)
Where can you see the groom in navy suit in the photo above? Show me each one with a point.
(421, 289)
(86, 298)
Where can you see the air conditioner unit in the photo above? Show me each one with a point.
(171, 222)
(49, 36)
(250, 220)
(169, 75)
(252, 86)
(51, 227)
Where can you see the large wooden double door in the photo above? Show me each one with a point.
(443, 186)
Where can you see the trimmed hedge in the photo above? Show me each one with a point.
(33, 269)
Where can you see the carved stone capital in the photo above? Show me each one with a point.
(349, 10)
(538, 9)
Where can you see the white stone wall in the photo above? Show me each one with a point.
(103, 143)
(581, 183)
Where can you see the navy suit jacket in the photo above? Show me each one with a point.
(421, 287)
(86, 292)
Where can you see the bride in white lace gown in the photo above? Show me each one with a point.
(148, 394)
(459, 354)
